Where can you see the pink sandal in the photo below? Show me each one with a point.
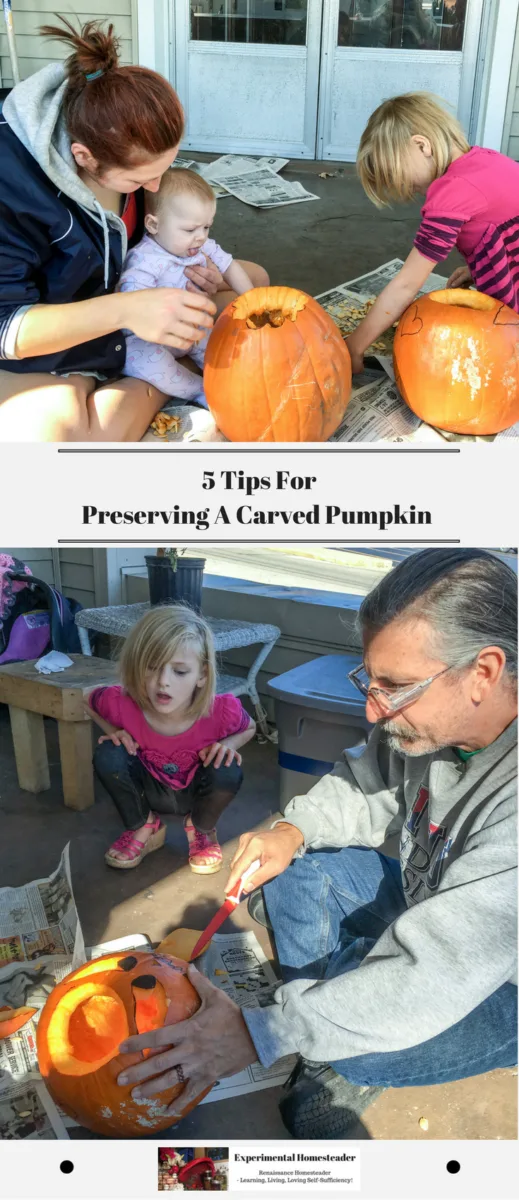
(133, 850)
(205, 853)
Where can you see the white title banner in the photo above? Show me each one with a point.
(145, 496)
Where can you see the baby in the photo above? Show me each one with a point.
(178, 221)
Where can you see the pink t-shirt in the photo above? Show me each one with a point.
(171, 759)
(475, 207)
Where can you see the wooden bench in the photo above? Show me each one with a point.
(31, 697)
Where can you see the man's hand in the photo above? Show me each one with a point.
(275, 849)
(168, 316)
(121, 737)
(220, 754)
(206, 279)
(212, 1044)
(461, 277)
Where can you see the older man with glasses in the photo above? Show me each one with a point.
(391, 886)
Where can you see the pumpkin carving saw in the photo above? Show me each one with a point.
(85, 1019)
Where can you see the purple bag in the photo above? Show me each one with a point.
(29, 637)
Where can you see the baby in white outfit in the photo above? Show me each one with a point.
(178, 221)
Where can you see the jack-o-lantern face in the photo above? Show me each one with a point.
(83, 1024)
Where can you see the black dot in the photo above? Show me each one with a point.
(66, 1166)
(453, 1166)
(128, 963)
(145, 981)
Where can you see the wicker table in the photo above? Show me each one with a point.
(119, 619)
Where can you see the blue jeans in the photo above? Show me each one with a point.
(328, 910)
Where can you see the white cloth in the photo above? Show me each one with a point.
(53, 661)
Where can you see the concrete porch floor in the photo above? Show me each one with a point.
(319, 243)
(163, 894)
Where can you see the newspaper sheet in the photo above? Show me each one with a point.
(376, 412)
(40, 942)
(259, 185)
(374, 282)
(228, 164)
(236, 963)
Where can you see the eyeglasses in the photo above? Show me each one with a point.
(390, 699)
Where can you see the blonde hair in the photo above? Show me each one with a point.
(178, 181)
(384, 146)
(154, 641)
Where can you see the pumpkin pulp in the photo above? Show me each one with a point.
(268, 306)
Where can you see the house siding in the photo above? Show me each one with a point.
(511, 126)
(35, 52)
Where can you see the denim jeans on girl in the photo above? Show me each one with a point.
(134, 791)
(327, 910)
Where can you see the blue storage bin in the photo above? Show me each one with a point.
(319, 713)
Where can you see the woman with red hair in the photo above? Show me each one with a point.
(80, 143)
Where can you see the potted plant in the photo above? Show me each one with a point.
(174, 579)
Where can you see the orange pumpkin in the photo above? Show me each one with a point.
(12, 1019)
(456, 356)
(84, 1021)
(276, 369)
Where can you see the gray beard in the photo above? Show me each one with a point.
(418, 745)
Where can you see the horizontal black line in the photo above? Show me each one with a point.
(291, 449)
(243, 541)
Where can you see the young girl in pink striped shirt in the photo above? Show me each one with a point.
(412, 145)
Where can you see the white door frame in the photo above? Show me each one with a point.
(157, 30)
(496, 58)
(310, 54)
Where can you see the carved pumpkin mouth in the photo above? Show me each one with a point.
(460, 298)
(269, 306)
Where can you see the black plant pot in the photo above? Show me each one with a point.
(183, 586)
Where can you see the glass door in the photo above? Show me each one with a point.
(247, 72)
(373, 49)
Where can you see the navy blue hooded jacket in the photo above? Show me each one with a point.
(57, 245)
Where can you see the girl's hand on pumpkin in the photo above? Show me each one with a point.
(121, 737)
(214, 1043)
(275, 849)
(220, 754)
(206, 279)
(461, 277)
(169, 316)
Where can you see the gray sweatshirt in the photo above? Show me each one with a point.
(455, 944)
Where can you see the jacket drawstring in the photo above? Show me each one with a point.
(106, 235)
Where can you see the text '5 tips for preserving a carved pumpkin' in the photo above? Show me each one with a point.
(316, 514)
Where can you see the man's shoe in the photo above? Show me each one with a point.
(257, 910)
(319, 1103)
